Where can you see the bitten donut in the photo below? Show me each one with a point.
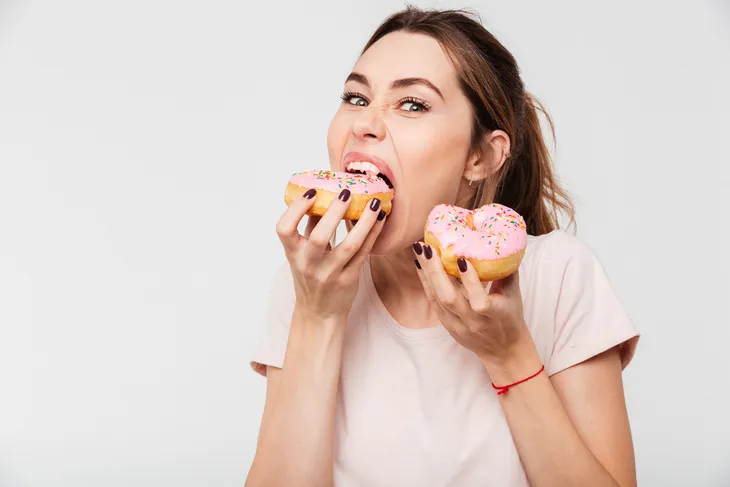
(329, 184)
(493, 238)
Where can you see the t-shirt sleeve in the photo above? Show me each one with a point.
(274, 334)
(589, 319)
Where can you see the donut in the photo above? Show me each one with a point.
(492, 238)
(329, 184)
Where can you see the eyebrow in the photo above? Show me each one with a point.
(399, 83)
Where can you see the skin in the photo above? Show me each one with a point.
(582, 408)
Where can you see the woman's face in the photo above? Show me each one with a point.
(403, 110)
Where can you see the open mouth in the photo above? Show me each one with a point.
(368, 169)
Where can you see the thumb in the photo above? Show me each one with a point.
(507, 286)
(498, 305)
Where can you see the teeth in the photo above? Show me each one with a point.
(366, 167)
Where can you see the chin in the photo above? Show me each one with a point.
(390, 240)
(382, 246)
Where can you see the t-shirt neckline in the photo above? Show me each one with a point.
(384, 316)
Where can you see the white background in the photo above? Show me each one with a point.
(144, 149)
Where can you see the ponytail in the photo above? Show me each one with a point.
(528, 183)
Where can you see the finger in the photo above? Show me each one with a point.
(418, 249)
(358, 234)
(443, 288)
(322, 233)
(508, 286)
(504, 294)
(288, 224)
(371, 224)
(429, 290)
(312, 221)
(475, 290)
(447, 317)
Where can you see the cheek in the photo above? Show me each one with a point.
(432, 151)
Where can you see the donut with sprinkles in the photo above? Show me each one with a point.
(328, 185)
(492, 238)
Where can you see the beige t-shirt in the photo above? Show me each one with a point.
(416, 409)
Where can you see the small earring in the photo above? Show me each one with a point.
(471, 180)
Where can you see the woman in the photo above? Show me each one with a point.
(381, 370)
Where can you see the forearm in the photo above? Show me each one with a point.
(551, 450)
(296, 439)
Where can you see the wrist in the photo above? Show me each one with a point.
(315, 345)
(514, 364)
(314, 331)
(313, 318)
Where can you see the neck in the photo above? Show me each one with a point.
(400, 289)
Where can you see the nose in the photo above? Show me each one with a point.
(369, 124)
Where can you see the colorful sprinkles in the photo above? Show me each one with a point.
(336, 181)
(492, 230)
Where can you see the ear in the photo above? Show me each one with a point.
(489, 158)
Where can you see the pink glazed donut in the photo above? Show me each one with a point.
(363, 188)
(493, 238)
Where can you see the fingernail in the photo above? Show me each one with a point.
(418, 264)
(375, 204)
(310, 193)
(427, 251)
(381, 215)
(462, 264)
(344, 195)
(417, 248)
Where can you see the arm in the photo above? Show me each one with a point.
(573, 429)
(296, 438)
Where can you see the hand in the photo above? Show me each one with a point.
(490, 324)
(326, 279)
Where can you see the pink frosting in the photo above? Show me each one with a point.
(498, 231)
(337, 181)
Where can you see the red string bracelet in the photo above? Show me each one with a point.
(503, 389)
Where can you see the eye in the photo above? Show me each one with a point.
(414, 105)
(355, 99)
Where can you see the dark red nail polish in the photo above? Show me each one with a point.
(418, 264)
(375, 204)
(381, 215)
(310, 193)
(427, 251)
(462, 264)
(344, 195)
(417, 248)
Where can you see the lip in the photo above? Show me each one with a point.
(382, 166)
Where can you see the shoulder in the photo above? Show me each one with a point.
(277, 284)
(558, 241)
(270, 345)
(281, 294)
(564, 278)
(570, 298)
(559, 251)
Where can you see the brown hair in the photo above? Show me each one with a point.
(490, 78)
